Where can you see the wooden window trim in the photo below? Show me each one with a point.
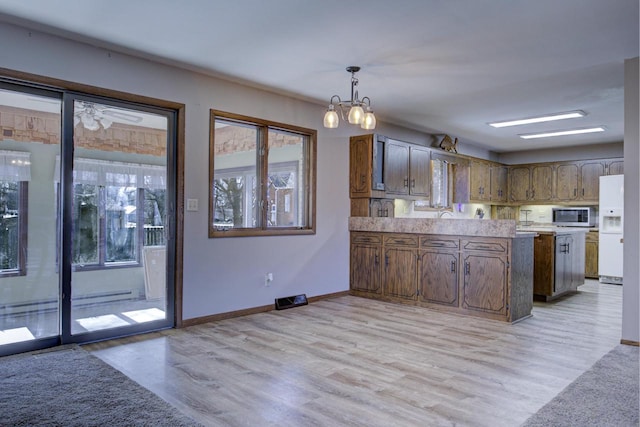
(309, 190)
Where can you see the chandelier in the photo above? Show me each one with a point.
(357, 114)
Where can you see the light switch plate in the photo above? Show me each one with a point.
(192, 205)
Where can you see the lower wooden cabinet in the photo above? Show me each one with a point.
(485, 269)
(365, 268)
(480, 276)
(591, 248)
(559, 261)
(400, 266)
(438, 271)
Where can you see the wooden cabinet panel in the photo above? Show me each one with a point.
(499, 179)
(615, 167)
(567, 181)
(591, 255)
(480, 176)
(398, 239)
(396, 172)
(360, 164)
(541, 176)
(438, 277)
(419, 171)
(382, 208)
(400, 272)
(590, 173)
(519, 183)
(365, 267)
(485, 282)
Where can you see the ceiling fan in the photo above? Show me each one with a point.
(93, 116)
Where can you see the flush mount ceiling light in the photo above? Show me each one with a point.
(539, 119)
(562, 132)
(356, 115)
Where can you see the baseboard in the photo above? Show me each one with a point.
(629, 342)
(253, 310)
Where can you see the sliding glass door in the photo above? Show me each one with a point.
(29, 280)
(118, 233)
(86, 214)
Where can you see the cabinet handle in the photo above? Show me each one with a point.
(406, 182)
(386, 261)
(567, 247)
(413, 183)
(583, 192)
(467, 268)
(453, 266)
(386, 212)
(575, 192)
(527, 194)
(533, 193)
(377, 260)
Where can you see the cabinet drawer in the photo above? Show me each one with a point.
(366, 238)
(485, 245)
(430, 242)
(406, 240)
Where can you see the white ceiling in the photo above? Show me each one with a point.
(442, 66)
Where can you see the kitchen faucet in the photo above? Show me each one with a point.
(443, 212)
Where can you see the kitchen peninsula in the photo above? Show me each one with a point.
(481, 268)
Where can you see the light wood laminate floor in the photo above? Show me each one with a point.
(352, 361)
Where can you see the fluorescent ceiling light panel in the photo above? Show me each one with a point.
(562, 132)
(540, 119)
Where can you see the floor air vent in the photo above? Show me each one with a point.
(289, 302)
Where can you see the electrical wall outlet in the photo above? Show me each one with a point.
(192, 205)
(268, 278)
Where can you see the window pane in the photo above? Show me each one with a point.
(285, 179)
(154, 217)
(85, 224)
(9, 225)
(234, 192)
(121, 224)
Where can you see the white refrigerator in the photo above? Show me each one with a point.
(611, 225)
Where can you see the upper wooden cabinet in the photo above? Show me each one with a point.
(407, 170)
(615, 166)
(590, 173)
(488, 181)
(360, 166)
(366, 162)
(480, 176)
(499, 182)
(567, 181)
(530, 183)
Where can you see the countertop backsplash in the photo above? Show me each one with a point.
(406, 209)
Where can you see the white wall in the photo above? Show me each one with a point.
(583, 152)
(223, 274)
(631, 273)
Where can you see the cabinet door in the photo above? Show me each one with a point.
(615, 167)
(365, 268)
(419, 171)
(485, 282)
(480, 181)
(590, 173)
(438, 277)
(396, 172)
(541, 176)
(519, 183)
(381, 208)
(591, 255)
(360, 164)
(567, 182)
(400, 272)
(563, 269)
(498, 186)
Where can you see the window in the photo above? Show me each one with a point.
(262, 177)
(117, 209)
(15, 174)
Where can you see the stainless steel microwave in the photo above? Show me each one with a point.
(574, 217)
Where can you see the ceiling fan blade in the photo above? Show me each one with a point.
(122, 116)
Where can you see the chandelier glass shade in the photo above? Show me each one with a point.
(357, 115)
